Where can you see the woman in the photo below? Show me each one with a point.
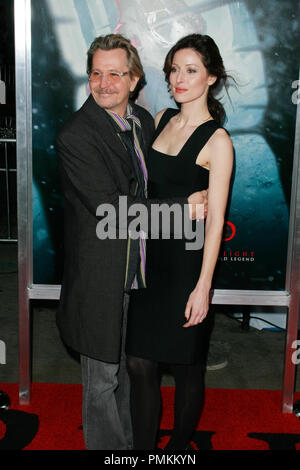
(169, 321)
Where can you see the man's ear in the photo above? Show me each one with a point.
(134, 82)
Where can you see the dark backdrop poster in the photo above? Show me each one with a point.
(259, 42)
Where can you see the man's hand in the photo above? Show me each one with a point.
(198, 205)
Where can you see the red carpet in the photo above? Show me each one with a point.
(232, 420)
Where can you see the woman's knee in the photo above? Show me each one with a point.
(138, 367)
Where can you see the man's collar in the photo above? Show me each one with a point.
(128, 112)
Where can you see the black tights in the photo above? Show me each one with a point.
(145, 402)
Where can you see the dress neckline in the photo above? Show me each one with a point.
(172, 156)
(186, 142)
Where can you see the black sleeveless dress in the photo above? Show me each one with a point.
(156, 314)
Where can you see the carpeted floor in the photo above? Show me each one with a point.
(232, 420)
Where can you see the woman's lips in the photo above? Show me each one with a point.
(180, 90)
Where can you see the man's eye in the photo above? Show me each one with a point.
(113, 74)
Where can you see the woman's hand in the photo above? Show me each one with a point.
(198, 203)
(197, 306)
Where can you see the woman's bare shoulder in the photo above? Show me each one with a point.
(220, 139)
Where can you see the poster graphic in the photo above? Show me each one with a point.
(257, 42)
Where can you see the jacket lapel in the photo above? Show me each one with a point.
(106, 130)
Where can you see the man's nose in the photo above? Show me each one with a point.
(103, 82)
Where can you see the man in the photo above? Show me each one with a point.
(98, 164)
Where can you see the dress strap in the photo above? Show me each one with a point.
(200, 136)
(168, 114)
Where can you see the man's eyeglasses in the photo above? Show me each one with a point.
(111, 77)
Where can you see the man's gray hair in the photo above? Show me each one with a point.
(116, 41)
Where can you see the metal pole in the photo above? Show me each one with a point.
(24, 183)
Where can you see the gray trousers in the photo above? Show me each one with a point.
(106, 416)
